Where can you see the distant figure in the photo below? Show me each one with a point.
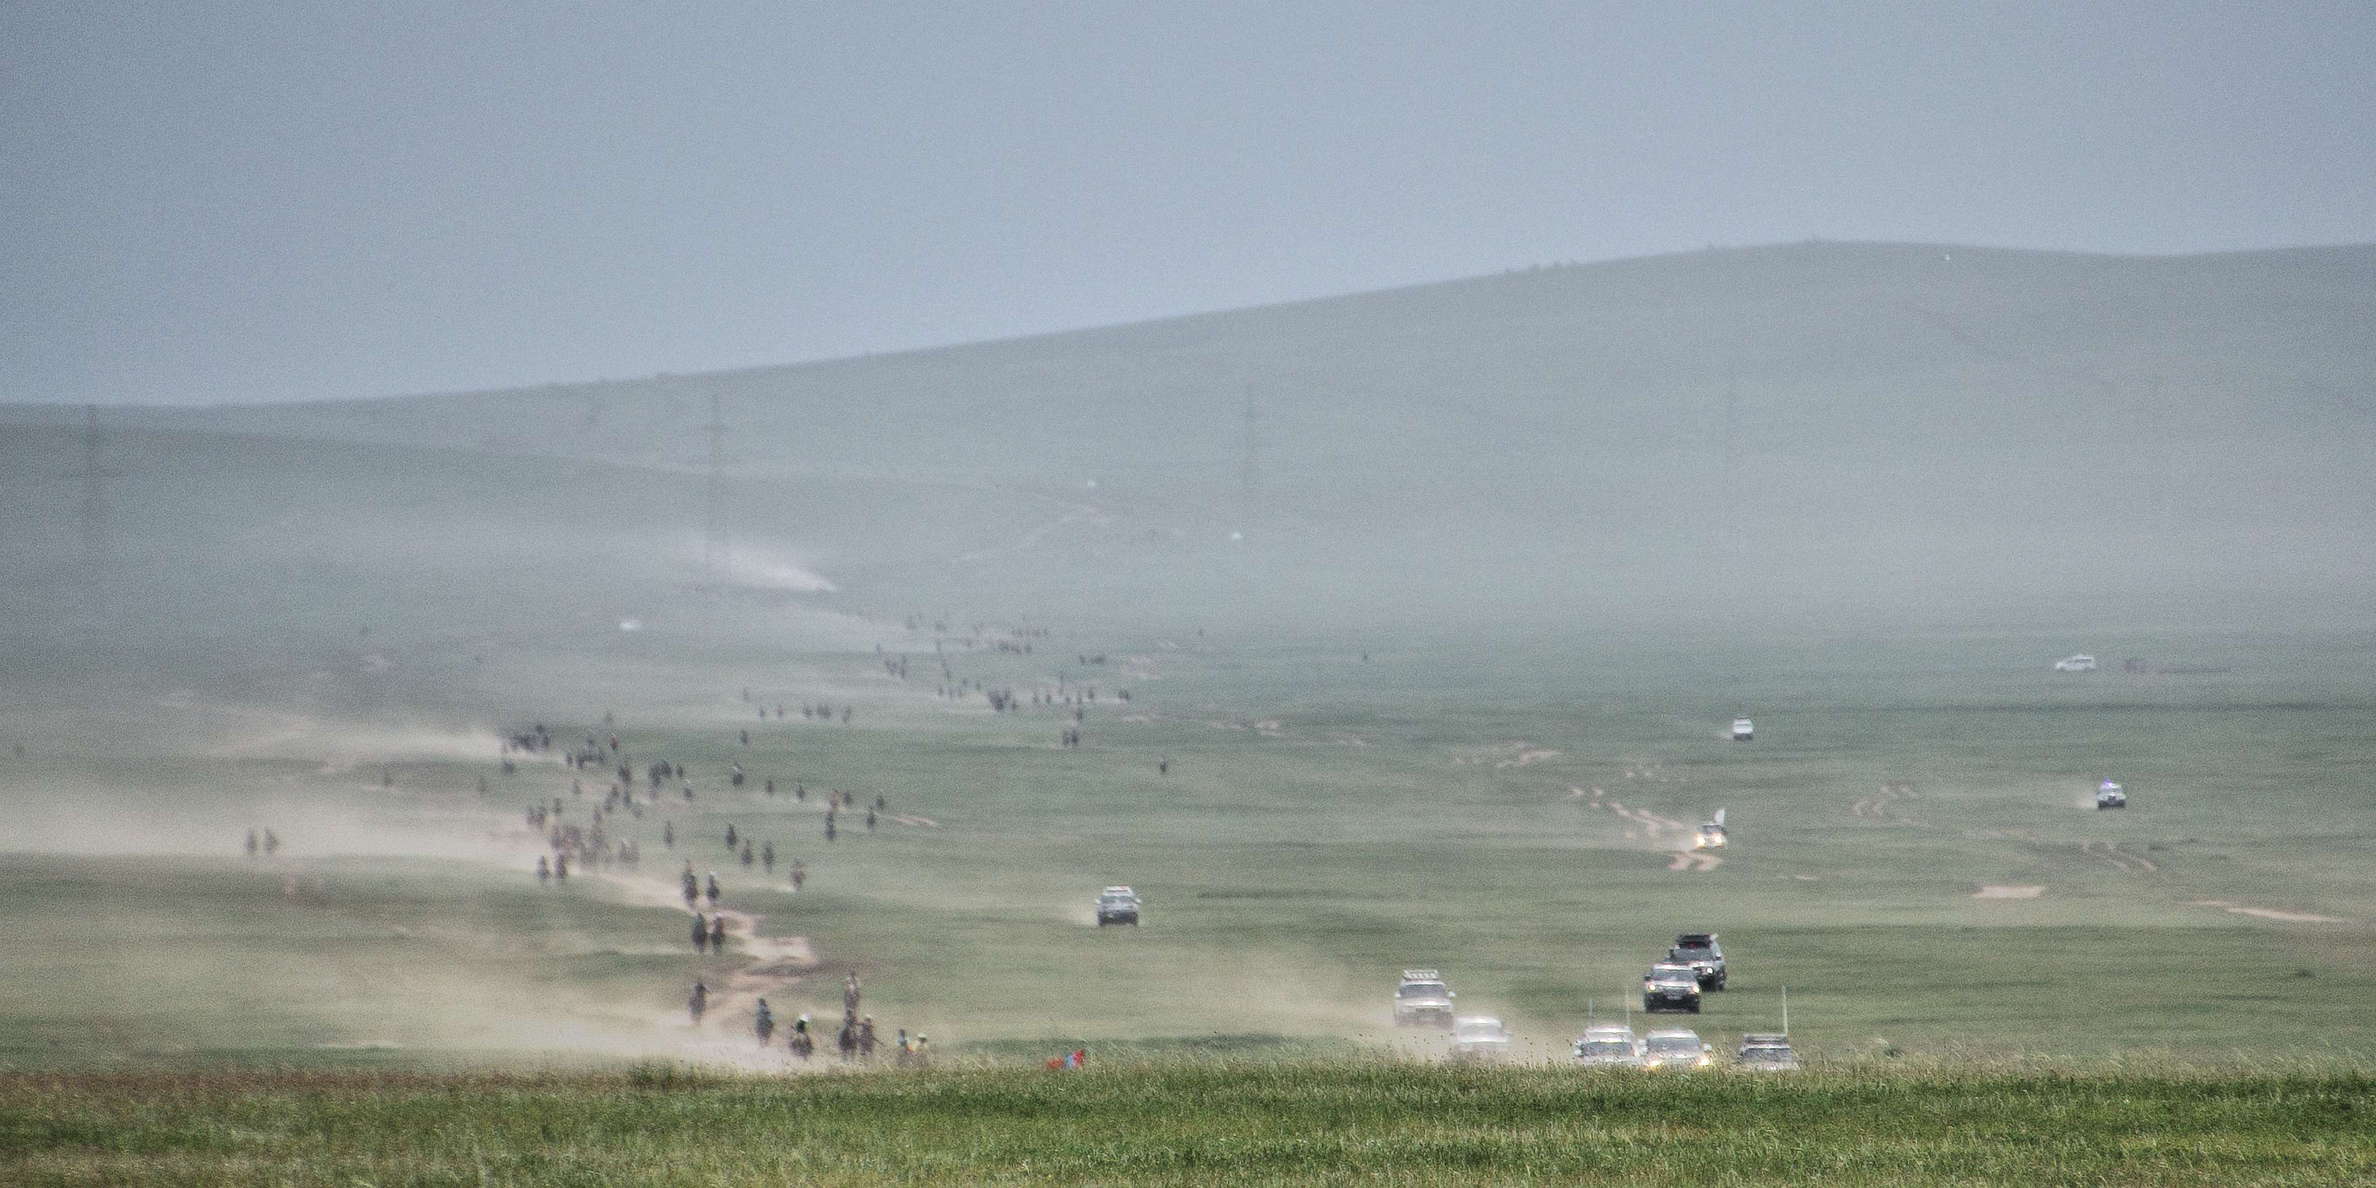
(544, 870)
(870, 820)
(700, 934)
(771, 787)
(850, 995)
(764, 1023)
(800, 791)
(746, 735)
(905, 1049)
(804, 1042)
(561, 868)
(799, 874)
(713, 888)
(1163, 766)
(668, 834)
(829, 827)
(730, 837)
(251, 843)
(271, 843)
(692, 890)
(866, 1038)
(882, 803)
(698, 1002)
(917, 1055)
(847, 1040)
(767, 857)
(718, 933)
(746, 852)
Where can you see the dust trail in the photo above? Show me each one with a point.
(2262, 913)
(774, 963)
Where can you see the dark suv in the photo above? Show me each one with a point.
(1698, 950)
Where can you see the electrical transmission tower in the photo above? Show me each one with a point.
(717, 556)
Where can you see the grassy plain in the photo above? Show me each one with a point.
(1326, 820)
(1197, 1123)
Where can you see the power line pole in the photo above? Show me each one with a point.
(1250, 462)
(717, 558)
(98, 543)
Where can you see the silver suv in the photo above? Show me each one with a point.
(1422, 1000)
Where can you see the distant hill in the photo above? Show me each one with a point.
(1812, 432)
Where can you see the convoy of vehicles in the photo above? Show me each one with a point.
(1117, 905)
(1422, 999)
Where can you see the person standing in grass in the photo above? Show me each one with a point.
(866, 1038)
(717, 934)
(697, 1003)
(700, 934)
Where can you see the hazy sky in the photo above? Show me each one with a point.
(264, 200)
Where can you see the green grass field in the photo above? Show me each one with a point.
(1197, 1123)
(1326, 821)
(1442, 681)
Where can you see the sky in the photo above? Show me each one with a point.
(210, 201)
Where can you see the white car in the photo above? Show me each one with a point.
(1422, 999)
(1608, 1045)
(2079, 662)
(1743, 730)
(2111, 796)
(1766, 1052)
(1711, 834)
(1479, 1037)
(1676, 1048)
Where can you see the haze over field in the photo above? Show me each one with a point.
(1492, 491)
(1810, 434)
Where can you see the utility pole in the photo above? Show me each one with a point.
(98, 543)
(1250, 462)
(717, 559)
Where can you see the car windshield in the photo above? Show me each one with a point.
(1115, 899)
(1675, 974)
(1766, 1056)
(1605, 1047)
(1674, 1045)
(1694, 952)
(1421, 990)
(1480, 1031)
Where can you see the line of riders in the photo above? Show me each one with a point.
(854, 1041)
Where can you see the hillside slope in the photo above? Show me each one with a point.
(1812, 429)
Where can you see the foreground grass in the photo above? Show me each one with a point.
(1195, 1122)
